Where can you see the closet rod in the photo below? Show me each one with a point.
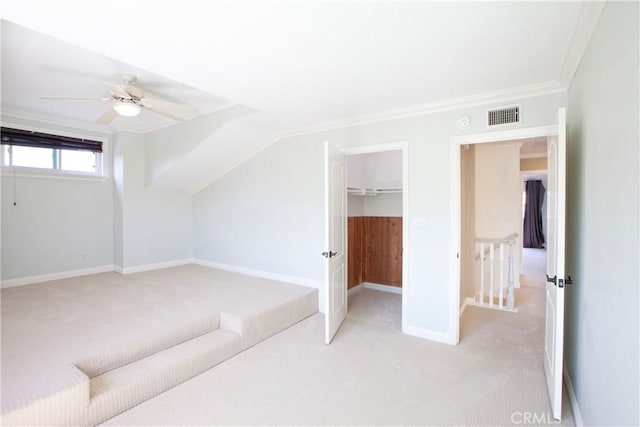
(372, 191)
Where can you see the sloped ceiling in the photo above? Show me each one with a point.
(301, 63)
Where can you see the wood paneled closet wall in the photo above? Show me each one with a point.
(375, 250)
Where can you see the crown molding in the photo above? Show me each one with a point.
(9, 113)
(585, 26)
(495, 97)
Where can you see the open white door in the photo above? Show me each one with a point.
(554, 327)
(335, 240)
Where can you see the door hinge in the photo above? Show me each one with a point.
(329, 254)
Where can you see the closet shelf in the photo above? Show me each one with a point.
(357, 191)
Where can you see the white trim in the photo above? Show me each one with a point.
(585, 26)
(466, 303)
(495, 97)
(48, 120)
(359, 287)
(429, 334)
(454, 260)
(404, 147)
(383, 288)
(21, 281)
(505, 135)
(154, 266)
(317, 284)
(524, 174)
(575, 407)
(50, 174)
(377, 148)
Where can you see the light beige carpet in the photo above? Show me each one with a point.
(372, 374)
(79, 351)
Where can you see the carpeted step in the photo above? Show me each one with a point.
(125, 387)
(255, 325)
(140, 340)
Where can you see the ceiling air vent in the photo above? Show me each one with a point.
(503, 115)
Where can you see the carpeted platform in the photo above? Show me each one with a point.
(80, 351)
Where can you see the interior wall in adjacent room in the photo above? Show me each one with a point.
(498, 194)
(603, 196)
(468, 223)
(533, 164)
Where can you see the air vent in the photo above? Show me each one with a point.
(503, 116)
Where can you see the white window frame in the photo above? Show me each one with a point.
(102, 166)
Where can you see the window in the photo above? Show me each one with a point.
(63, 154)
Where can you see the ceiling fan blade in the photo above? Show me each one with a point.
(117, 90)
(76, 98)
(170, 109)
(107, 117)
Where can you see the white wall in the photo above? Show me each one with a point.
(168, 145)
(375, 171)
(602, 323)
(267, 213)
(355, 205)
(498, 194)
(57, 225)
(383, 205)
(156, 226)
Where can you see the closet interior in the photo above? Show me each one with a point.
(374, 185)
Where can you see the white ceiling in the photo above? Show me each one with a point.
(295, 65)
(298, 63)
(35, 65)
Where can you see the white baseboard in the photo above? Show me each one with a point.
(383, 288)
(467, 302)
(355, 289)
(21, 281)
(154, 266)
(430, 335)
(260, 273)
(575, 408)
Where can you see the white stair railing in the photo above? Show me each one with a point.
(497, 269)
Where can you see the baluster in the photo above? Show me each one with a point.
(481, 273)
(491, 284)
(501, 273)
(510, 296)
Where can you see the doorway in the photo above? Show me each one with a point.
(534, 252)
(377, 228)
(374, 230)
(464, 229)
(555, 276)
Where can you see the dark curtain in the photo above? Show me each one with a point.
(533, 237)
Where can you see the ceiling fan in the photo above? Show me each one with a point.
(128, 100)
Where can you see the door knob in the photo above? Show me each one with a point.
(329, 254)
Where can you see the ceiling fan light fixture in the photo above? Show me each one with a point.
(127, 109)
